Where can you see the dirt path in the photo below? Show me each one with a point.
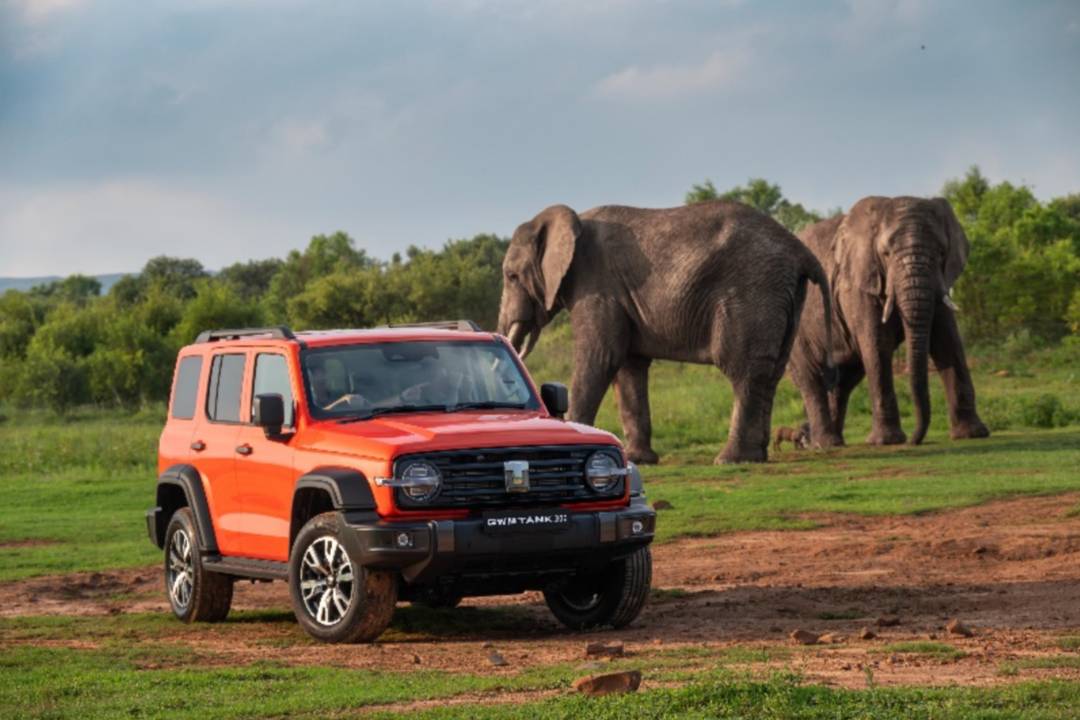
(1009, 570)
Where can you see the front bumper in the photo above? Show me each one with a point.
(463, 552)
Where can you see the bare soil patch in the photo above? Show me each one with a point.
(1009, 571)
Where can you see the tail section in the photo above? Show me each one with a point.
(816, 275)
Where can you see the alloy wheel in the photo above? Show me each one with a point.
(181, 572)
(326, 581)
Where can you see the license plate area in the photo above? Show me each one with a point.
(504, 522)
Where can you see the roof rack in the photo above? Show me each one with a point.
(279, 332)
(462, 325)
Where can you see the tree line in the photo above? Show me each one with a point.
(66, 343)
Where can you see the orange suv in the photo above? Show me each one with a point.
(364, 467)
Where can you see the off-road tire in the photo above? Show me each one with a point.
(617, 596)
(210, 593)
(372, 593)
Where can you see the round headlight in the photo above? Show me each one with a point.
(420, 481)
(602, 471)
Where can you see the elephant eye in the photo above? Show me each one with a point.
(512, 277)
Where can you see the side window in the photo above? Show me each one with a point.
(272, 377)
(186, 387)
(226, 383)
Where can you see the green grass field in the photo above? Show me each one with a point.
(75, 489)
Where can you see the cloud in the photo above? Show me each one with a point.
(116, 225)
(723, 69)
(301, 137)
(35, 12)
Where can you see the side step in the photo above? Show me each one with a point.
(247, 567)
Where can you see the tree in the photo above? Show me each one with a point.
(215, 305)
(74, 288)
(251, 280)
(175, 275)
(701, 193)
(762, 195)
(324, 255)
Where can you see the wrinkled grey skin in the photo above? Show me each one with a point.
(891, 263)
(716, 283)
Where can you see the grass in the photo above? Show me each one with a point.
(1012, 668)
(158, 668)
(726, 695)
(922, 647)
(1071, 643)
(76, 487)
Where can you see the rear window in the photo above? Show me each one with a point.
(226, 383)
(186, 387)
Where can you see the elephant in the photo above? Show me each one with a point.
(714, 283)
(892, 263)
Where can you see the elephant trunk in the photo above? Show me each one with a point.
(916, 296)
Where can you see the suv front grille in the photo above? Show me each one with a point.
(476, 478)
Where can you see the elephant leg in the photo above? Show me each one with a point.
(947, 351)
(877, 360)
(848, 379)
(811, 384)
(632, 391)
(751, 416)
(599, 351)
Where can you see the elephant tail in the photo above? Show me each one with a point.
(816, 275)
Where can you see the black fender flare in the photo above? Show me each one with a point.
(187, 478)
(348, 488)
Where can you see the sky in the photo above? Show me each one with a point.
(231, 130)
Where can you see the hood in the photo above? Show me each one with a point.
(392, 435)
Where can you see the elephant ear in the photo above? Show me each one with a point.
(957, 245)
(557, 231)
(854, 252)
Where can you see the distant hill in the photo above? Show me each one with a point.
(25, 283)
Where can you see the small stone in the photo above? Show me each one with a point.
(415, 659)
(602, 649)
(804, 637)
(955, 627)
(832, 638)
(609, 684)
(662, 505)
(496, 659)
(979, 550)
(487, 645)
(888, 621)
(867, 634)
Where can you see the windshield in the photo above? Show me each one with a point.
(361, 381)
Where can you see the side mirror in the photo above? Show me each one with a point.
(556, 399)
(268, 412)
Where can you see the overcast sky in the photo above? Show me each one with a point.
(234, 130)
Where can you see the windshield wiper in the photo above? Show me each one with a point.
(485, 405)
(373, 412)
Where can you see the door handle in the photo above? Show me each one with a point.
(198, 446)
(244, 449)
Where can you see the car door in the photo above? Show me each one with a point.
(214, 442)
(265, 477)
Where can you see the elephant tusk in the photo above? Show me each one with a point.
(515, 335)
(530, 344)
(950, 304)
(888, 309)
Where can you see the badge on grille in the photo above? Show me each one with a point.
(516, 473)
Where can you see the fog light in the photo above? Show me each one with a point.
(636, 527)
(404, 540)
